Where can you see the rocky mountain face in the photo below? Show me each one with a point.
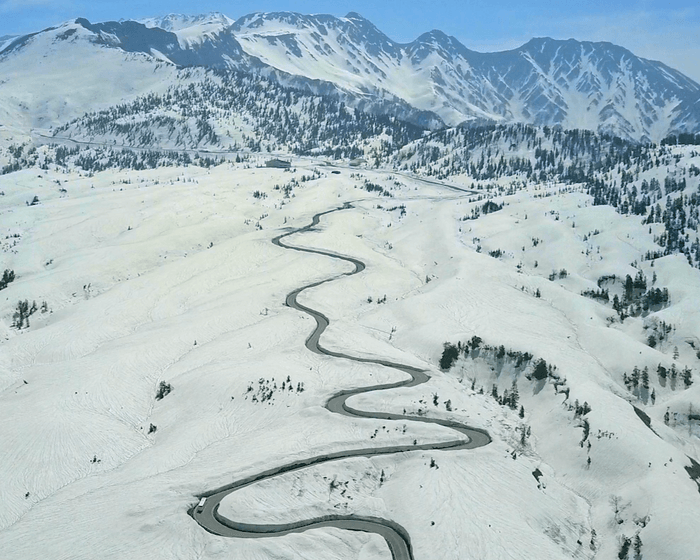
(432, 80)
(574, 84)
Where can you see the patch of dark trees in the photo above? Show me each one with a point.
(7, 277)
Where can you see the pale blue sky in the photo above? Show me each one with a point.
(662, 30)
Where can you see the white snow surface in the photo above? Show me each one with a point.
(164, 275)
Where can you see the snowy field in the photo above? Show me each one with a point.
(169, 276)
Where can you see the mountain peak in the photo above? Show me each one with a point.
(432, 35)
(177, 22)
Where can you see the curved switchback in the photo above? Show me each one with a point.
(396, 536)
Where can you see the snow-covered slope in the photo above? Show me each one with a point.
(5, 41)
(56, 75)
(169, 275)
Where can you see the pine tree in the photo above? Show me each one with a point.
(629, 288)
(540, 371)
(635, 377)
(514, 396)
(449, 355)
(687, 377)
(7, 277)
(637, 546)
(624, 549)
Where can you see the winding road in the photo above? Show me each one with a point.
(396, 536)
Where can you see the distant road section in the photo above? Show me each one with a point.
(397, 537)
(41, 137)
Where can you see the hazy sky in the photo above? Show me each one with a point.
(668, 31)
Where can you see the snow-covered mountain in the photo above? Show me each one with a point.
(575, 84)
(114, 62)
(191, 30)
(59, 73)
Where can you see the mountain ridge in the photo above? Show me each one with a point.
(576, 84)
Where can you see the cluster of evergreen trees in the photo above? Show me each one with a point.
(369, 186)
(97, 159)
(499, 354)
(508, 398)
(487, 152)
(683, 138)
(639, 381)
(7, 277)
(636, 297)
(487, 208)
(22, 313)
(279, 118)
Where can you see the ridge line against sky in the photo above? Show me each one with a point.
(665, 31)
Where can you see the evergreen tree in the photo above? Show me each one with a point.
(514, 396)
(7, 277)
(540, 371)
(687, 377)
(637, 546)
(449, 355)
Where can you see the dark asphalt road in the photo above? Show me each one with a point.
(396, 536)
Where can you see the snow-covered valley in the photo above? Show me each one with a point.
(168, 277)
